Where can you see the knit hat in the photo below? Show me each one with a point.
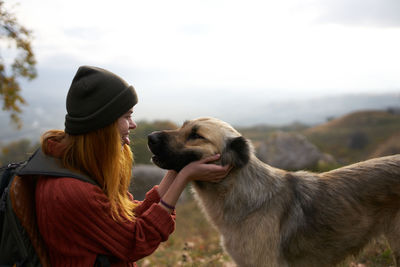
(96, 99)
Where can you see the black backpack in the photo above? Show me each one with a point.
(20, 240)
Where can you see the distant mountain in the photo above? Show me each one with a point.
(44, 113)
(311, 111)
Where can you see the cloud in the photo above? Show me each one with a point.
(375, 13)
(202, 45)
(85, 33)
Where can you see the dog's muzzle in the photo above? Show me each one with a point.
(153, 140)
(156, 143)
(169, 155)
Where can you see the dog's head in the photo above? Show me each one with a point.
(197, 139)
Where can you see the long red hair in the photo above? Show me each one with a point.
(99, 155)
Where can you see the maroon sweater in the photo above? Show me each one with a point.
(74, 218)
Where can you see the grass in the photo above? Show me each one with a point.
(195, 243)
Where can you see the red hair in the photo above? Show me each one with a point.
(99, 154)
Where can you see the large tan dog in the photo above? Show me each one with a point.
(272, 217)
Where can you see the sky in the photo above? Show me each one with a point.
(193, 58)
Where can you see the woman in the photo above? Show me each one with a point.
(78, 220)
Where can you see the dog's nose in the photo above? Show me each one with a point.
(153, 138)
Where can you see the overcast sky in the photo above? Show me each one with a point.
(182, 56)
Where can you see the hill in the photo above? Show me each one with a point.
(356, 136)
(389, 147)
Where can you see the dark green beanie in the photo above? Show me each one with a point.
(96, 99)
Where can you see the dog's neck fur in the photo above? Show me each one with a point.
(223, 199)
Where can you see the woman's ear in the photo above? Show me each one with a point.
(236, 152)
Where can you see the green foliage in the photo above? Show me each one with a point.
(23, 65)
(139, 138)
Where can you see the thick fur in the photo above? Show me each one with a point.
(271, 217)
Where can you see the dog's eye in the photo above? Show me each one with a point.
(195, 136)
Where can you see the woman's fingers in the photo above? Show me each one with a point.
(211, 158)
(206, 170)
(221, 173)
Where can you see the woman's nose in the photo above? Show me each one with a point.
(132, 125)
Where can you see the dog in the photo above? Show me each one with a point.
(272, 217)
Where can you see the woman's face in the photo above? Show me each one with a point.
(126, 123)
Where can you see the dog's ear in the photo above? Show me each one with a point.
(236, 152)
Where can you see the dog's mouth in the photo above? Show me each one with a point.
(175, 161)
(154, 144)
(155, 158)
(169, 157)
(159, 162)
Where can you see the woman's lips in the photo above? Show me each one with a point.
(125, 139)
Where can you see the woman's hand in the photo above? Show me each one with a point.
(173, 184)
(203, 170)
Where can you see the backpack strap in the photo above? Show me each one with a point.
(7, 172)
(41, 164)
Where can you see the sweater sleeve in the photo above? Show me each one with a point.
(151, 197)
(76, 216)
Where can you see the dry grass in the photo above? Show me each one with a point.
(194, 243)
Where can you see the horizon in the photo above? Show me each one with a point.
(38, 118)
